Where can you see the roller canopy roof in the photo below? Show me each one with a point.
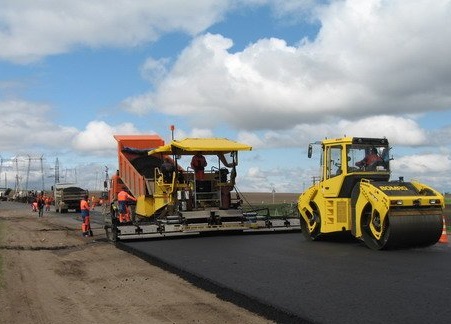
(208, 146)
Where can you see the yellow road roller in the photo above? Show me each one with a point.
(354, 194)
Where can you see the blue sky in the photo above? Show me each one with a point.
(270, 73)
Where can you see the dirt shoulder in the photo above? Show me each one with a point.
(50, 274)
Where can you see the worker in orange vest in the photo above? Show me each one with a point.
(198, 163)
(84, 208)
(47, 203)
(124, 213)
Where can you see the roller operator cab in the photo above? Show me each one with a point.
(354, 195)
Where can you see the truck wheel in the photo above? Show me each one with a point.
(312, 228)
(110, 220)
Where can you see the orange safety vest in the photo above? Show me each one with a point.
(122, 196)
(84, 205)
(198, 162)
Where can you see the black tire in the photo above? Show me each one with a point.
(111, 234)
(111, 230)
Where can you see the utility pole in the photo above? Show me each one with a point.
(28, 174)
(107, 179)
(42, 172)
(17, 185)
(1, 168)
(57, 171)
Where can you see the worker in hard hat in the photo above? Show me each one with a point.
(124, 213)
(198, 163)
(84, 208)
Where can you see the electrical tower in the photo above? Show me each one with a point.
(41, 158)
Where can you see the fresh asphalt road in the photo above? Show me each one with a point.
(287, 279)
(323, 282)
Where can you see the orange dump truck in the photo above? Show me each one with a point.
(178, 202)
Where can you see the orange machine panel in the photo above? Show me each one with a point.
(132, 158)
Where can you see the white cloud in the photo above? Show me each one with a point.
(199, 132)
(251, 139)
(432, 169)
(370, 58)
(97, 138)
(194, 132)
(30, 30)
(154, 70)
(398, 130)
(139, 105)
(421, 164)
(26, 126)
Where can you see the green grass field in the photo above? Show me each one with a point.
(273, 210)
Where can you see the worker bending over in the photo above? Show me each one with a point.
(124, 213)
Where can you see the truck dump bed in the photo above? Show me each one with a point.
(68, 197)
(135, 165)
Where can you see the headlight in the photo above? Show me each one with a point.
(397, 202)
(434, 201)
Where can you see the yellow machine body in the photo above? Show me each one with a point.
(352, 196)
(179, 201)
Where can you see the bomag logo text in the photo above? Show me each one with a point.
(393, 188)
